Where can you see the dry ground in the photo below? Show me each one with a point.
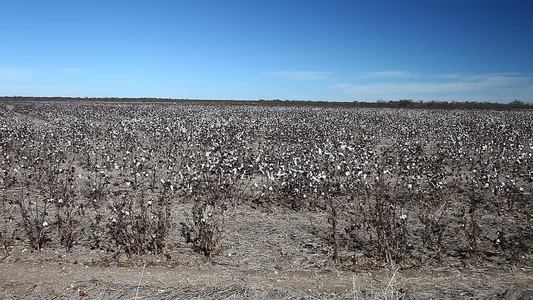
(274, 256)
(68, 281)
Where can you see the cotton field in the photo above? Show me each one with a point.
(403, 186)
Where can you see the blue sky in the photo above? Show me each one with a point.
(306, 50)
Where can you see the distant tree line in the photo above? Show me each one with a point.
(404, 103)
(516, 104)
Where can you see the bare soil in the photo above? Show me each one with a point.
(67, 281)
(273, 256)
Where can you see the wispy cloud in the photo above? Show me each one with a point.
(18, 73)
(389, 74)
(480, 77)
(13, 73)
(14, 89)
(302, 75)
(432, 87)
(449, 85)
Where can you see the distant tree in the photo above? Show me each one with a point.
(517, 103)
(405, 102)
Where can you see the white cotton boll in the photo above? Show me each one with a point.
(45, 224)
(347, 173)
(403, 217)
